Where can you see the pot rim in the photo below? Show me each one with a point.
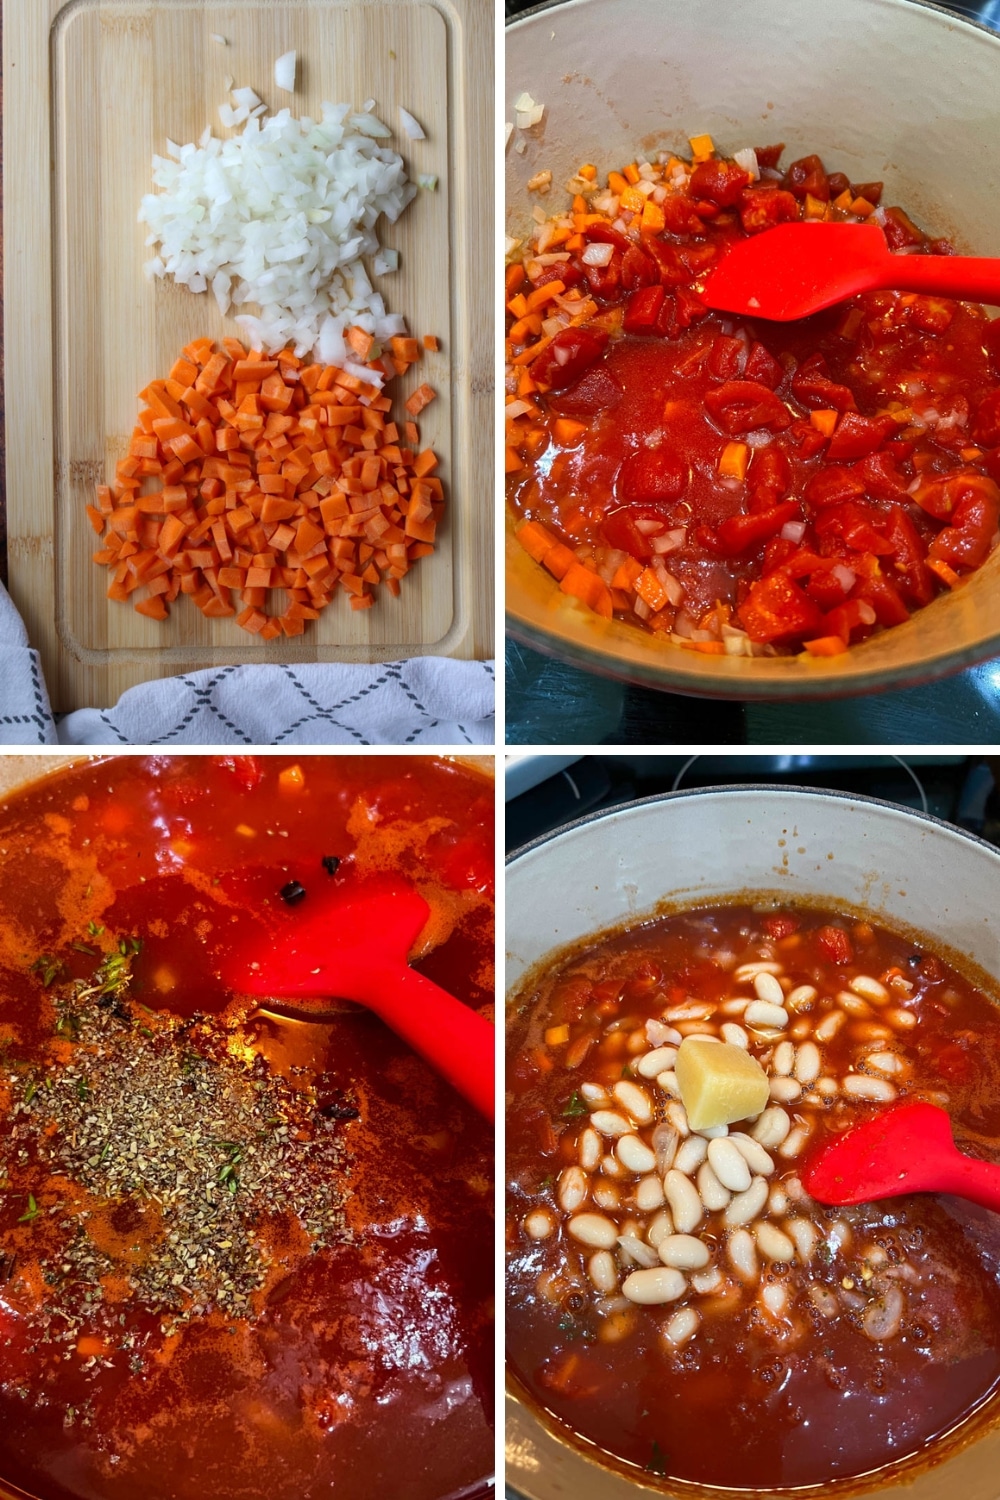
(656, 671)
(766, 788)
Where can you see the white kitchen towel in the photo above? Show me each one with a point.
(425, 700)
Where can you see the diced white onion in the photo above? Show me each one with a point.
(845, 576)
(215, 36)
(793, 531)
(670, 541)
(412, 126)
(648, 527)
(747, 159)
(598, 255)
(284, 72)
(285, 210)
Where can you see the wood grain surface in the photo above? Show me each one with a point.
(92, 89)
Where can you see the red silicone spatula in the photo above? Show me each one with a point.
(797, 269)
(355, 946)
(905, 1149)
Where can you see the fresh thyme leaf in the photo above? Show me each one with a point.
(31, 1091)
(68, 1025)
(104, 1151)
(48, 966)
(145, 1031)
(546, 1183)
(94, 929)
(573, 1107)
(82, 948)
(627, 1071)
(657, 1461)
(32, 1211)
(82, 1088)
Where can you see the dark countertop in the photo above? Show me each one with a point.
(550, 703)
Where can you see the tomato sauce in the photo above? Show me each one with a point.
(878, 1335)
(744, 486)
(358, 1364)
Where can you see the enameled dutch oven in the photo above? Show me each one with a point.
(880, 89)
(19, 771)
(694, 848)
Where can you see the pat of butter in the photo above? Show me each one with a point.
(718, 1083)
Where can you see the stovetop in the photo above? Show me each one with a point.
(559, 789)
(550, 703)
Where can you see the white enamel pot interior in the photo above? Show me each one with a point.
(879, 89)
(695, 848)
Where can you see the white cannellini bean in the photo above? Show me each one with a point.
(761, 1015)
(869, 988)
(691, 1155)
(712, 1132)
(729, 1165)
(853, 1004)
(659, 1227)
(603, 1271)
(785, 1090)
(773, 1243)
(735, 1035)
(539, 1225)
(777, 1200)
(713, 1194)
(742, 1251)
(734, 1007)
(649, 1194)
(882, 1318)
(685, 1252)
(829, 1026)
(886, 1062)
(706, 1282)
(783, 1060)
(858, 1086)
(804, 1236)
(663, 1284)
(904, 1020)
(635, 1249)
(636, 1043)
(667, 1081)
(573, 1189)
(590, 1149)
(595, 1095)
(635, 1154)
(611, 1166)
(606, 1195)
(697, 1011)
(759, 966)
(800, 1029)
(771, 1128)
(753, 1152)
(683, 1199)
(793, 1143)
(609, 1122)
(775, 1298)
(677, 1115)
(635, 1100)
(746, 1206)
(767, 988)
(808, 1063)
(595, 1230)
(657, 1061)
(827, 1087)
(682, 1326)
(802, 996)
(660, 1035)
(824, 1300)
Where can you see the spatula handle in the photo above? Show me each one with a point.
(458, 1042)
(970, 278)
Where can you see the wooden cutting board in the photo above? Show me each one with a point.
(92, 89)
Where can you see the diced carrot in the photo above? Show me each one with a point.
(584, 584)
(826, 645)
(824, 421)
(945, 572)
(733, 461)
(421, 397)
(265, 464)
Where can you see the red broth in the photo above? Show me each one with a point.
(745, 487)
(335, 1335)
(808, 1344)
